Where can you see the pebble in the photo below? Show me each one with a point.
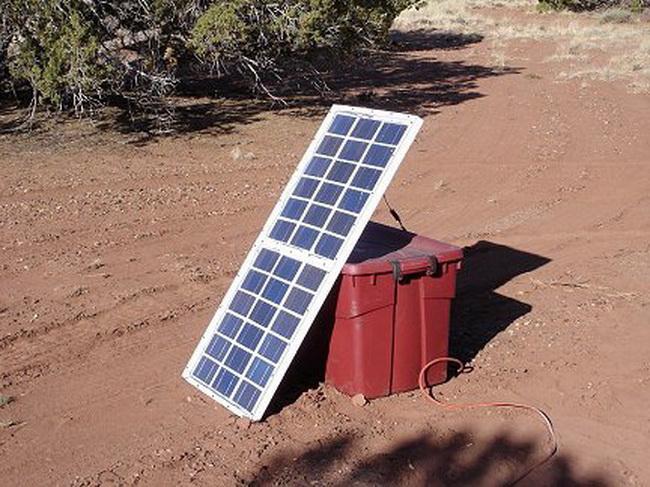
(243, 423)
(359, 400)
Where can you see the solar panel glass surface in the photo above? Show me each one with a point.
(294, 262)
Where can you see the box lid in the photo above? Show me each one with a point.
(380, 245)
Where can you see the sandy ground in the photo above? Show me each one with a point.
(116, 250)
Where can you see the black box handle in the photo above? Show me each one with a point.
(398, 275)
(433, 266)
(397, 270)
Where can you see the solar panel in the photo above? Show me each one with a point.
(287, 275)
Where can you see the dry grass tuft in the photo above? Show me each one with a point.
(616, 16)
(614, 36)
(4, 400)
(632, 66)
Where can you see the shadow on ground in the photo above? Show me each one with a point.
(479, 313)
(407, 77)
(427, 39)
(458, 459)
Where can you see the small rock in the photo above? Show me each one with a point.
(235, 153)
(243, 423)
(359, 400)
(96, 264)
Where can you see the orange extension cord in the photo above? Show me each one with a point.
(547, 420)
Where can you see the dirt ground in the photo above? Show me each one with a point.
(117, 248)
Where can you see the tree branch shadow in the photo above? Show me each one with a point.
(427, 39)
(457, 459)
(407, 77)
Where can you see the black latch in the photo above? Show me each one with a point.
(433, 266)
(397, 270)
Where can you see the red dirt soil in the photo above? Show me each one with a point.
(116, 252)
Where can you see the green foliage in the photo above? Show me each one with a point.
(224, 32)
(260, 35)
(636, 6)
(73, 52)
(548, 5)
(58, 53)
(543, 7)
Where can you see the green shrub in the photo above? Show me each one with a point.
(259, 37)
(637, 6)
(57, 52)
(72, 53)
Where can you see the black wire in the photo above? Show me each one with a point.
(394, 214)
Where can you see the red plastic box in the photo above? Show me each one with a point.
(391, 313)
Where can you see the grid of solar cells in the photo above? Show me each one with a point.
(293, 264)
(339, 178)
(255, 331)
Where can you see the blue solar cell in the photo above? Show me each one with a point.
(238, 359)
(330, 145)
(266, 259)
(259, 371)
(305, 187)
(262, 313)
(328, 246)
(287, 268)
(247, 395)
(294, 209)
(305, 237)
(230, 325)
(282, 230)
(254, 281)
(242, 303)
(328, 193)
(318, 166)
(250, 336)
(340, 172)
(218, 348)
(298, 300)
(353, 150)
(391, 133)
(275, 290)
(225, 382)
(272, 348)
(317, 215)
(285, 324)
(341, 223)
(341, 124)
(378, 155)
(353, 200)
(205, 370)
(365, 129)
(366, 178)
(311, 276)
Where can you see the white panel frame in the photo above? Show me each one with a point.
(331, 267)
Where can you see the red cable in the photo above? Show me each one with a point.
(547, 420)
